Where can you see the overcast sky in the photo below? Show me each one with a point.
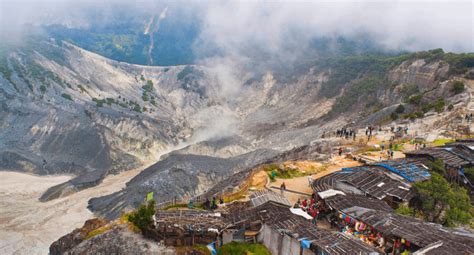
(278, 25)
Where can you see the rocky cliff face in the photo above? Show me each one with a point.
(425, 75)
(97, 238)
(74, 238)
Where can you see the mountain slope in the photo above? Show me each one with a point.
(165, 38)
(67, 110)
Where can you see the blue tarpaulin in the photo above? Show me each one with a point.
(407, 170)
(212, 248)
(305, 243)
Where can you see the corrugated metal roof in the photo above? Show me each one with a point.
(261, 197)
(411, 170)
(371, 180)
(418, 232)
(342, 202)
(333, 243)
(451, 156)
(279, 217)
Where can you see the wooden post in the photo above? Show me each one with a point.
(394, 246)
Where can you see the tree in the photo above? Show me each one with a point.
(43, 89)
(143, 216)
(415, 99)
(438, 166)
(405, 210)
(149, 84)
(394, 116)
(400, 109)
(458, 87)
(67, 96)
(443, 203)
(439, 105)
(434, 196)
(469, 173)
(460, 206)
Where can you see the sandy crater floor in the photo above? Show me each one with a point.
(28, 226)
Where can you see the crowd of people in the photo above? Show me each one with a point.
(391, 148)
(370, 131)
(311, 206)
(346, 133)
(403, 130)
(419, 146)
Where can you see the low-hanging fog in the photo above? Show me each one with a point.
(277, 26)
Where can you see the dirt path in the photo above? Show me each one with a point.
(28, 226)
(301, 184)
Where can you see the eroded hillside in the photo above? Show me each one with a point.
(67, 110)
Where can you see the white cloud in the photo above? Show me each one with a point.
(280, 26)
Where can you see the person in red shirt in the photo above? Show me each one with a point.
(314, 214)
(305, 203)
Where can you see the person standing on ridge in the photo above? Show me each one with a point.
(282, 188)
